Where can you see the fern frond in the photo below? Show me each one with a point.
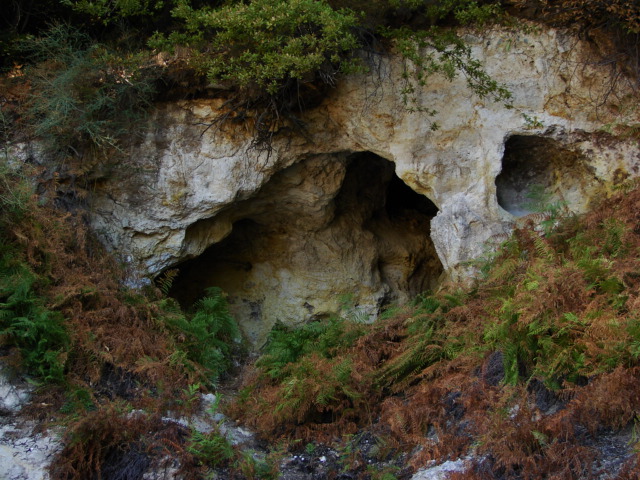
(511, 364)
(544, 249)
(410, 362)
(165, 281)
(627, 186)
(504, 270)
(614, 232)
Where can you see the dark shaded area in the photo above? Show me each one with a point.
(233, 253)
(539, 169)
(117, 382)
(547, 400)
(493, 369)
(401, 198)
(124, 462)
(401, 221)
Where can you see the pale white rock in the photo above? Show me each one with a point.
(14, 393)
(186, 185)
(24, 455)
(441, 471)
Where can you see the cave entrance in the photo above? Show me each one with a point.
(328, 231)
(540, 170)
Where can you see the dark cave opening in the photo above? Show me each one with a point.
(326, 228)
(401, 198)
(539, 170)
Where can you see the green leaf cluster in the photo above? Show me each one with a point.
(211, 448)
(442, 52)
(263, 43)
(26, 323)
(208, 334)
(427, 342)
(83, 94)
(109, 11)
(286, 345)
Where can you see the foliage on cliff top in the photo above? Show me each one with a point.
(270, 59)
(515, 369)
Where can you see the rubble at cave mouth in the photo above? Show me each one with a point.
(327, 228)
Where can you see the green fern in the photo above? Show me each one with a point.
(212, 449)
(286, 345)
(210, 333)
(27, 324)
(424, 352)
(544, 250)
(426, 303)
(614, 232)
(165, 281)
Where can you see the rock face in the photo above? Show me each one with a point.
(372, 205)
(328, 232)
(24, 454)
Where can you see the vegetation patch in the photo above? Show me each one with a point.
(524, 372)
(89, 343)
(513, 371)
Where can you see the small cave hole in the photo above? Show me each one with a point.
(540, 170)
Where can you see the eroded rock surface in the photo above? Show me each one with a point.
(25, 454)
(287, 236)
(329, 231)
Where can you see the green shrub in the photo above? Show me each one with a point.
(265, 43)
(212, 449)
(82, 94)
(27, 324)
(313, 385)
(109, 11)
(209, 333)
(550, 348)
(271, 50)
(286, 345)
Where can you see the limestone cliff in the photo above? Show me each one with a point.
(371, 205)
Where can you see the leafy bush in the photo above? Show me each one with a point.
(208, 335)
(272, 59)
(82, 94)
(275, 51)
(266, 44)
(39, 333)
(549, 347)
(108, 11)
(25, 322)
(212, 448)
(286, 345)
(315, 386)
